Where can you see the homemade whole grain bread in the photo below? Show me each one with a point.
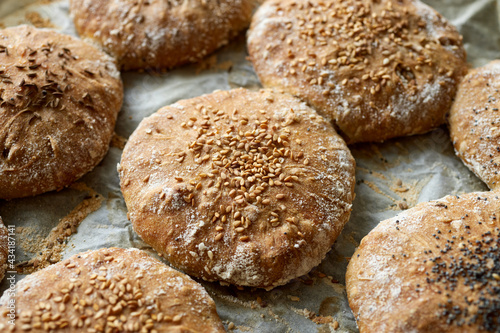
(376, 69)
(110, 290)
(474, 123)
(59, 99)
(160, 34)
(249, 188)
(432, 268)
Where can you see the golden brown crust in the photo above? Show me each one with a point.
(251, 188)
(160, 33)
(59, 101)
(475, 121)
(377, 69)
(433, 268)
(4, 249)
(110, 290)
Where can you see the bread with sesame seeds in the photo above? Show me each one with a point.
(59, 99)
(110, 290)
(376, 69)
(4, 249)
(248, 188)
(432, 268)
(160, 34)
(474, 123)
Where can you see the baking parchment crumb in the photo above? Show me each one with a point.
(49, 250)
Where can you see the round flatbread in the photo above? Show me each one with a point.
(475, 121)
(433, 268)
(377, 69)
(59, 99)
(250, 188)
(160, 33)
(110, 290)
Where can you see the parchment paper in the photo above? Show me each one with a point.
(390, 176)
